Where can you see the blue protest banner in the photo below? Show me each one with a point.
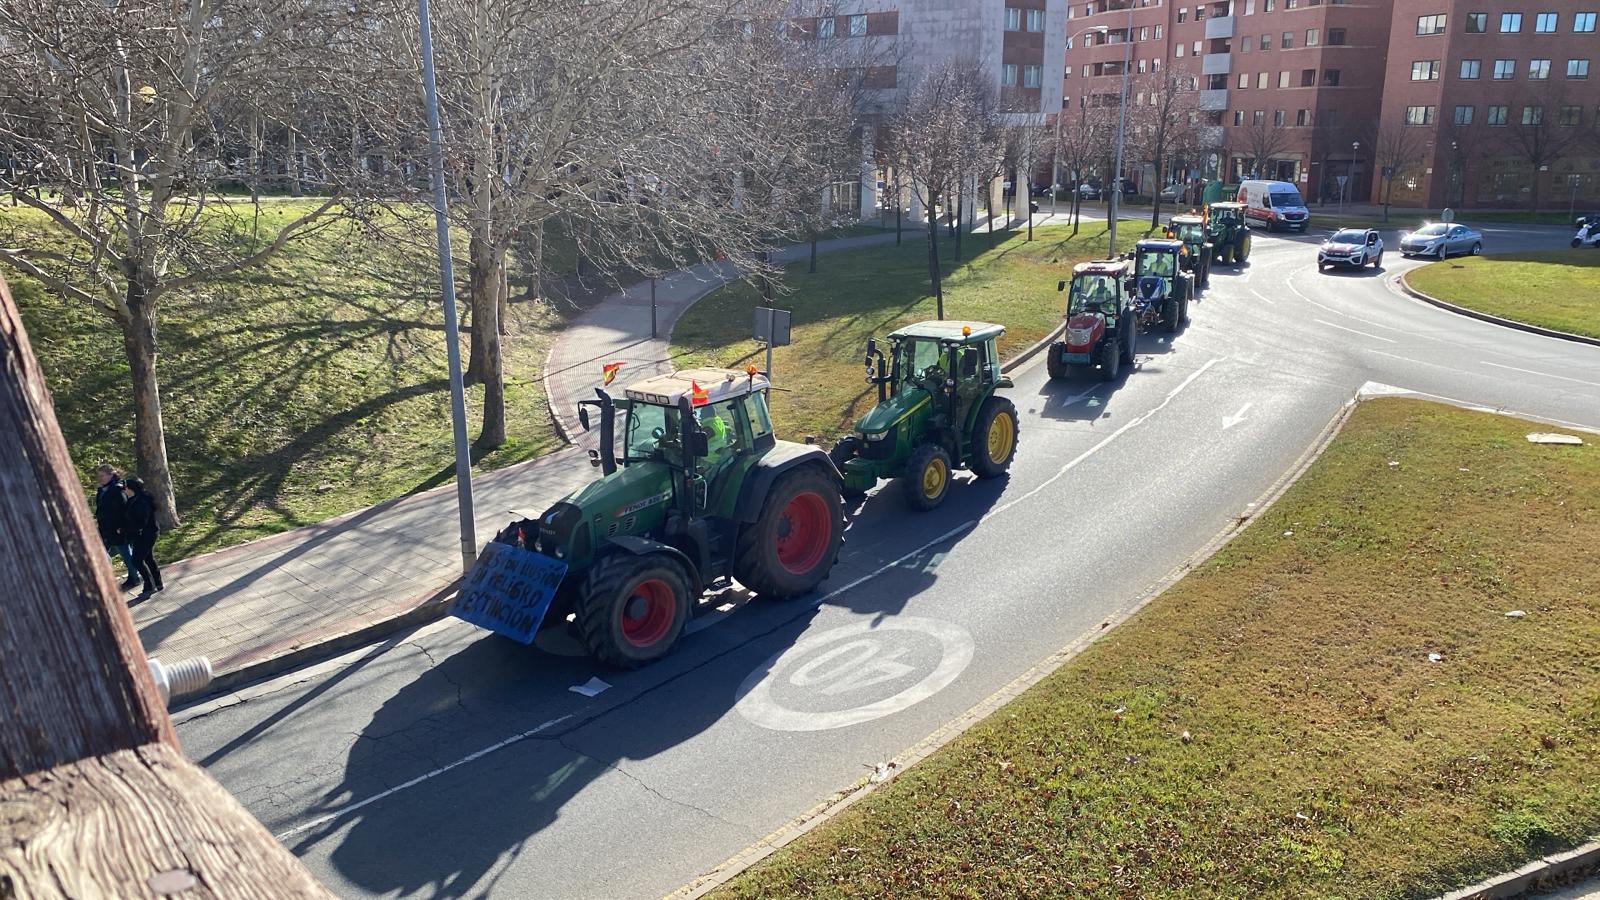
(509, 590)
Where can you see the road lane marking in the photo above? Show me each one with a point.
(471, 757)
(1353, 331)
(1338, 312)
(1264, 298)
(1542, 374)
(1236, 418)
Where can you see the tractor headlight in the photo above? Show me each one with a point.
(874, 438)
(1079, 335)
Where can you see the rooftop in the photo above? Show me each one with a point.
(1101, 267)
(719, 385)
(950, 330)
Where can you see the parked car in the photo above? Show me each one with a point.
(1087, 191)
(1441, 240)
(1274, 204)
(1353, 247)
(1172, 193)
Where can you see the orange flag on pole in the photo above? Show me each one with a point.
(698, 396)
(609, 372)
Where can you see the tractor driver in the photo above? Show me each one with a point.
(1159, 264)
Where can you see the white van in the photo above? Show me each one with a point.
(1275, 204)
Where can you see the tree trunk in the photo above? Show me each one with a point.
(1535, 195)
(149, 435)
(295, 174)
(960, 202)
(812, 267)
(897, 212)
(933, 259)
(487, 264)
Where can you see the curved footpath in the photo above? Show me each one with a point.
(642, 781)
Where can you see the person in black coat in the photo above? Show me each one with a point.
(142, 531)
(111, 518)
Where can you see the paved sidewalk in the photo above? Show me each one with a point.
(256, 607)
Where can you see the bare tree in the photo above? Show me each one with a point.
(1262, 141)
(1084, 134)
(947, 125)
(1543, 129)
(1165, 123)
(1398, 151)
(1025, 145)
(127, 119)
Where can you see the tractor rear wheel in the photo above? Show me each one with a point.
(927, 477)
(792, 545)
(1242, 252)
(632, 609)
(844, 450)
(1054, 366)
(994, 438)
(1170, 314)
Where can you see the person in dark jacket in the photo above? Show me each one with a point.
(111, 517)
(142, 532)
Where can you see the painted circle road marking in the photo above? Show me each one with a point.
(840, 664)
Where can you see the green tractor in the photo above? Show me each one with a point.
(703, 492)
(1230, 236)
(1102, 331)
(1196, 259)
(937, 411)
(1162, 289)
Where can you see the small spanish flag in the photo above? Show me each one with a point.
(698, 396)
(609, 372)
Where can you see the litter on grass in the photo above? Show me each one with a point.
(1552, 437)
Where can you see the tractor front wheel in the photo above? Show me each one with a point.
(1054, 365)
(927, 477)
(632, 609)
(792, 545)
(1242, 252)
(1170, 315)
(994, 437)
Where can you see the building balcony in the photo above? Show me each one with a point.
(1213, 99)
(1220, 27)
(1216, 64)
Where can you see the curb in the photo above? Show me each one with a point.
(1038, 347)
(259, 663)
(1532, 876)
(843, 800)
(1405, 285)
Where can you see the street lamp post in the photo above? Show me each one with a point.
(1114, 210)
(1350, 174)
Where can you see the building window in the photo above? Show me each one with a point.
(1259, 117)
(1538, 69)
(1577, 68)
(1496, 115)
(1430, 24)
(1244, 46)
(1141, 67)
(1302, 117)
(1144, 33)
(1510, 23)
(1008, 75)
(1238, 117)
(858, 25)
(825, 28)
(1287, 40)
(1330, 77)
(1419, 115)
(1470, 69)
(1035, 20)
(1425, 70)
(1199, 13)
(1463, 115)
(1308, 77)
(1266, 5)
(1313, 35)
(1544, 23)
(1244, 81)
(1283, 79)
(1158, 32)
(1266, 42)
(1505, 69)
(1533, 115)
(1014, 19)
(1571, 115)
(1277, 118)
(1477, 23)
(1583, 23)
(1195, 49)
(1183, 15)
(1086, 70)
(1261, 81)
(1030, 76)
(1177, 49)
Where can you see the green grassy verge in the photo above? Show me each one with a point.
(1272, 726)
(1558, 289)
(859, 294)
(308, 388)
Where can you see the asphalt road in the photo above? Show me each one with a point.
(451, 762)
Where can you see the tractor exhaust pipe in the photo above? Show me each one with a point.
(608, 432)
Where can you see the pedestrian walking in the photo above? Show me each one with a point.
(111, 517)
(142, 532)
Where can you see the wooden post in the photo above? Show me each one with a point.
(98, 799)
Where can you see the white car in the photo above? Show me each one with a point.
(1353, 247)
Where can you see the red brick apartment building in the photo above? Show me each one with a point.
(1463, 103)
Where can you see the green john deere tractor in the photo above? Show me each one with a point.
(1196, 260)
(702, 492)
(1230, 236)
(937, 411)
(1162, 289)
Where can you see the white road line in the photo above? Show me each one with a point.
(343, 810)
(1338, 312)
(1264, 298)
(1353, 331)
(1542, 374)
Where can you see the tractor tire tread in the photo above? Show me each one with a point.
(756, 568)
(982, 466)
(605, 580)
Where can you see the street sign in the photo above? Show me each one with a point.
(1388, 171)
(1341, 179)
(772, 326)
(509, 590)
(1448, 216)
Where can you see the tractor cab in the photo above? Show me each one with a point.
(1228, 232)
(936, 385)
(1101, 332)
(1191, 230)
(1162, 287)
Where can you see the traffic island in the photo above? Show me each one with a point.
(1385, 685)
(1556, 292)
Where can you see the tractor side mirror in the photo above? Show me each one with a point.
(1061, 285)
(696, 444)
(872, 347)
(583, 418)
(969, 362)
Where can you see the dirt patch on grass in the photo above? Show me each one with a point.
(1273, 725)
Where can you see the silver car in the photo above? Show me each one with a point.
(1441, 240)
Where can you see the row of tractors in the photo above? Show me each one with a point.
(696, 491)
(1111, 301)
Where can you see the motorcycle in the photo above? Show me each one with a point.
(1588, 232)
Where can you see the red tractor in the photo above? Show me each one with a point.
(1102, 329)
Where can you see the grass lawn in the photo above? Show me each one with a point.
(1272, 725)
(862, 293)
(1558, 289)
(308, 388)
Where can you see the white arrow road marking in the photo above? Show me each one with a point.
(1542, 374)
(1236, 418)
(1353, 331)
